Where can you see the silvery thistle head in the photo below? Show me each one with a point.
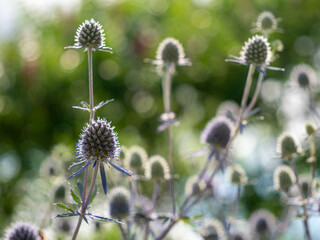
(99, 144)
(90, 35)
(287, 146)
(283, 178)
(256, 51)
(22, 231)
(119, 203)
(303, 76)
(262, 224)
(266, 23)
(156, 168)
(212, 229)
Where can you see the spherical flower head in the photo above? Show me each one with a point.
(170, 51)
(303, 76)
(283, 178)
(192, 186)
(236, 174)
(217, 133)
(98, 141)
(228, 107)
(157, 168)
(119, 203)
(266, 22)
(310, 128)
(212, 229)
(256, 51)
(22, 231)
(262, 223)
(136, 158)
(90, 35)
(287, 146)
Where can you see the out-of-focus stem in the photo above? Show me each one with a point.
(123, 232)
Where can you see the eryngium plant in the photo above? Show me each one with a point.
(22, 231)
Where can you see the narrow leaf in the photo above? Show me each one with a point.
(74, 196)
(94, 194)
(104, 218)
(120, 169)
(103, 178)
(61, 205)
(79, 171)
(66, 215)
(80, 187)
(85, 219)
(76, 163)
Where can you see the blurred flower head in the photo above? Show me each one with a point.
(262, 224)
(212, 229)
(283, 178)
(304, 76)
(157, 168)
(236, 174)
(136, 158)
(90, 35)
(266, 23)
(119, 203)
(192, 185)
(310, 128)
(228, 107)
(22, 231)
(287, 146)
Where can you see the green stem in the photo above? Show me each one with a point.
(90, 84)
(123, 232)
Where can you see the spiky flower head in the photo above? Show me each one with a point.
(157, 168)
(217, 132)
(262, 224)
(303, 76)
(212, 229)
(98, 141)
(228, 107)
(90, 35)
(266, 22)
(193, 186)
(283, 178)
(119, 203)
(136, 158)
(236, 174)
(22, 231)
(310, 128)
(170, 51)
(287, 146)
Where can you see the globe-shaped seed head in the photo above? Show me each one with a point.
(98, 140)
(170, 51)
(262, 224)
(136, 158)
(266, 22)
(22, 231)
(236, 174)
(90, 35)
(303, 76)
(287, 146)
(310, 128)
(157, 168)
(217, 132)
(119, 203)
(256, 51)
(212, 229)
(283, 178)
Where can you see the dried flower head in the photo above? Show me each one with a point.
(256, 51)
(310, 128)
(90, 35)
(228, 107)
(22, 231)
(212, 229)
(283, 178)
(135, 158)
(192, 185)
(287, 146)
(119, 203)
(236, 174)
(262, 224)
(157, 168)
(217, 133)
(304, 76)
(266, 22)
(99, 144)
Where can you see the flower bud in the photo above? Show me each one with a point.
(170, 51)
(136, 158)
(157, 168)
(119, 203)
(287, 146)
(236, 174)
(212, 229)
(283, 178)
(310, 128)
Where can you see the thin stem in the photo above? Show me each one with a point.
(313, 162)
(166, 230)
(235, 205)
(90, 84)
(123, 233)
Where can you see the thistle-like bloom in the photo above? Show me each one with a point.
(212, 229)
(99, 144)
(157, 168)
(217, 134)
(287, 146)
(22, 231)
(310, 128)
(236, 174)
(304, 76)
(90, 35)
(170, 51)
(256, 51)
(136, 158)
(119, 203)
(283, 178)
(266, 23)
(262, 224)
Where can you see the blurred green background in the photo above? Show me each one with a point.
(40, 81)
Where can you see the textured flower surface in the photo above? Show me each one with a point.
(157, 168)
(90, 35)
(304, 76)
(212, 229)
(119, 203)
(283, 178)
(22, 231)
(266, 22)
(236, 174)
(99, 144)
(287, 146)
(136, 158)
(256, 51)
